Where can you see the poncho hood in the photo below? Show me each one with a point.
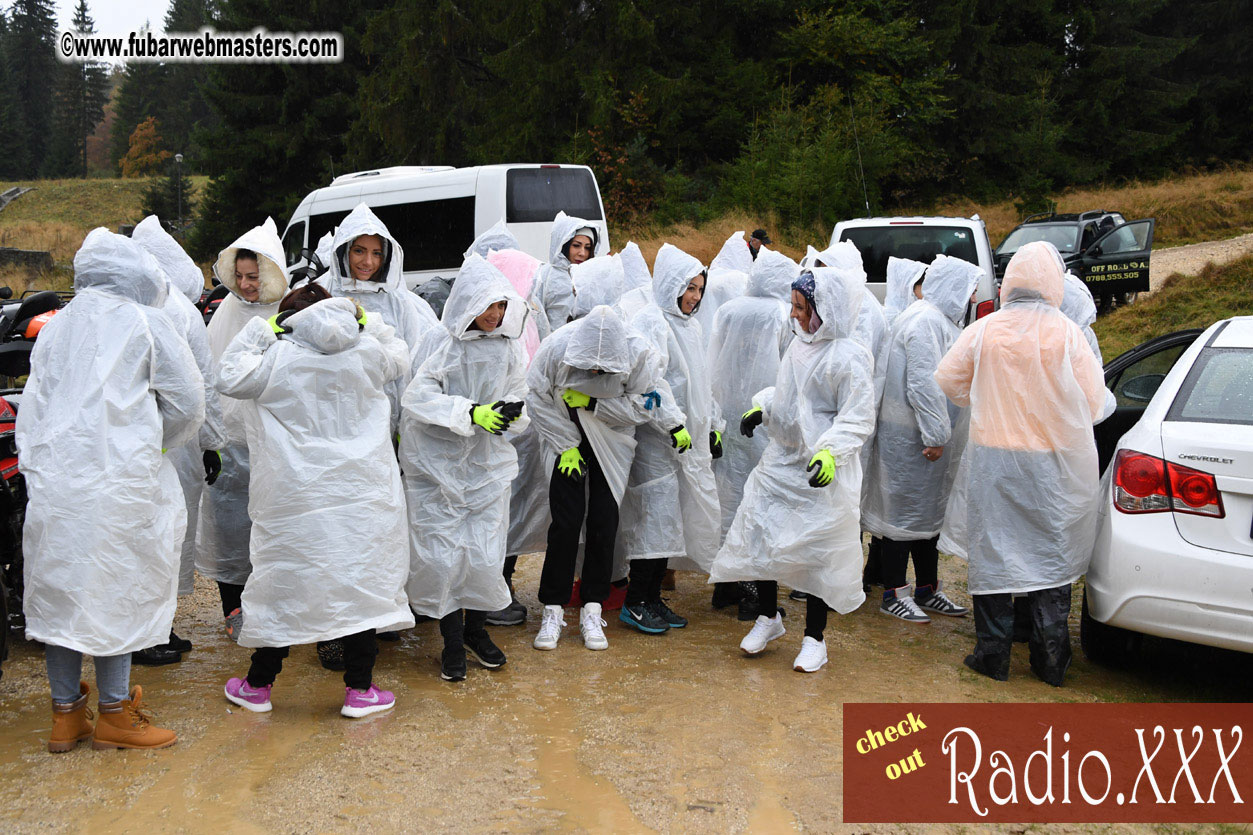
(116, 264)
(479, 285)
(772, 275)
(182, 272)
(271, 263)
(672, 271)
(599, 342)
(1033, 274)
(362, 221)
(948, 286)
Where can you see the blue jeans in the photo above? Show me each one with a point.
(65, 670)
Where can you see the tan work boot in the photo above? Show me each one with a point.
(123, 725)
(71, 723)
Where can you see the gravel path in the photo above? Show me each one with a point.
(1191, 259)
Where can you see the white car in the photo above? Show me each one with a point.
(1174, 552)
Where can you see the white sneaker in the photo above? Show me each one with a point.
(549, 628)
(763, 632)
(592, 625)
(812, 657)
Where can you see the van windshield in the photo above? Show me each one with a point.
(536, 195)
(915, 242)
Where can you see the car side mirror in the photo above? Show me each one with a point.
(1141, 389)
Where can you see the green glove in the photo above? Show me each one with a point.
(825, 462)
(576, 399)
(570, 464)
(277, 325)
(360, 318)
(715, 444)
(681, 439)
(750, 421)
(488, 418)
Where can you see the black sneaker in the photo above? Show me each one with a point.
(453, 664)
(661, 610)
(484, 651)
(331, 655)
(178, 644)
(390, 636)
(156, 656)
(797, 595)
(512, 615)
(643, 618)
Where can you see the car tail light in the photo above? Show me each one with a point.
(984, 308)
(1147, 484)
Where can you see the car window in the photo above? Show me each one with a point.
(916, 242)
(1133, 237)
(434, 234)
(1062, 237)
(1218, 389)
(535, 195)
(1138, 382)
(293, 242)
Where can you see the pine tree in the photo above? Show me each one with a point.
(172, 198)
(81, 93)
(15, 161)
(32, 66)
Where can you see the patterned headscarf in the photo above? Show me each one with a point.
(804, 284)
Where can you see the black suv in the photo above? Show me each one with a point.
(1110, 254)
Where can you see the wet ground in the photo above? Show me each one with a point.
(678, 732)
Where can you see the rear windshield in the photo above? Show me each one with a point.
(434, 234)
(536, 195)
(918, 243)
(1218, 389)
(1063, 237)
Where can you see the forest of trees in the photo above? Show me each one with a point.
(681, 108)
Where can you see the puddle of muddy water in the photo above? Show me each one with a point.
(677, 732)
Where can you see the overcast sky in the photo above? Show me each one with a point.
(115, 17)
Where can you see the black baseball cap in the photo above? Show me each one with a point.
(760, 234)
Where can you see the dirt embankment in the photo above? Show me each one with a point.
(1192, 258)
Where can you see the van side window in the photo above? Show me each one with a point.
(433, 234)
(293, 242)
(536, 195)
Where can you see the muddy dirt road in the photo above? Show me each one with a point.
(678, 732)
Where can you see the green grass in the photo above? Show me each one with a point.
(1181, 302)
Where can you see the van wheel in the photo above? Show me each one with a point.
(1102, 643)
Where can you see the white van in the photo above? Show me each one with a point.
(921, 239)
(436, 212)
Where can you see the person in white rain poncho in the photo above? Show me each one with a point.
(727, 279)
(902, 275)
(912, 456)
(639, 282)
(597, 281)
(366, 266)
(1030, 507)
(496, 237)
(198, 461)
(253, 269)
(528, 503)
(112, 385)
(591, 383)
(573, 240)
(1079, 307)
(798, 522)
(330, 549)
(750, 336)
(670, 511)
(464, 402)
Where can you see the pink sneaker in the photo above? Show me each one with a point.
(358, 703)
(256, 699)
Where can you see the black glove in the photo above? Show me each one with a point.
(750, 421)
(212, 465)
(715, 444)
(511, 409)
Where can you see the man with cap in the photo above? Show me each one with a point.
(754, 243)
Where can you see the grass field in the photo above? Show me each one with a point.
(1182, 302)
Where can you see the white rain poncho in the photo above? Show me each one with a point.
(457, 476)
(727, 280)
(872, 323)
(823, 398)
(597, 281)
(1079, 307)
(750, 337)
(326, 249)
(186, 285)
(112, 383)
(629, 369)
(528, 504)
(407, 313)
(330, 546)
(497, 237)
(639, 279)
(902, 275)
(556, 286)
(904, 495)
(224, 527)
(671, 506)
(1026, 514)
